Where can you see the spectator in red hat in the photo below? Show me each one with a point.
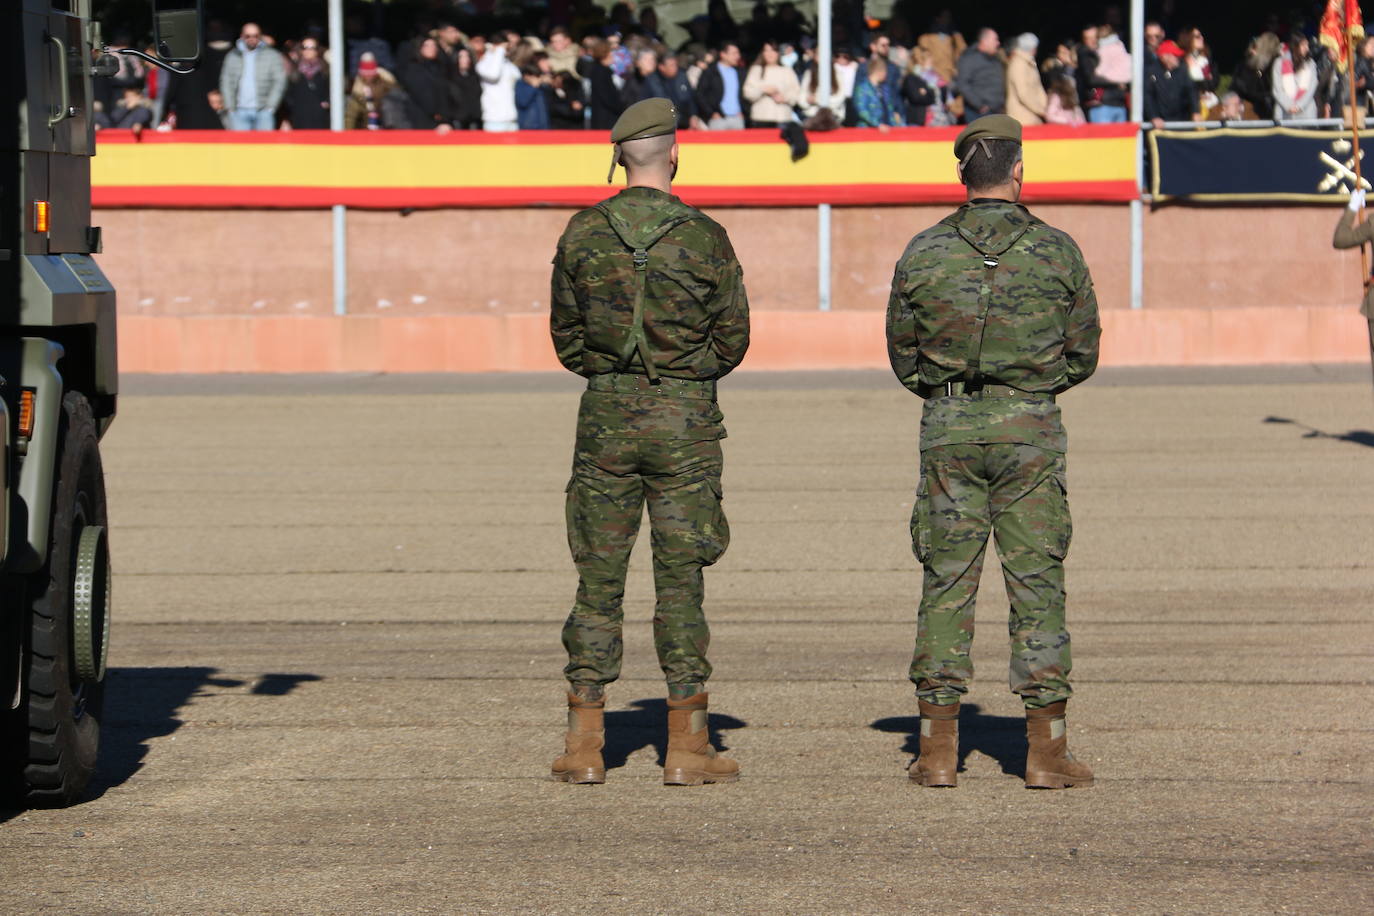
(1170, 94)
(371, 86)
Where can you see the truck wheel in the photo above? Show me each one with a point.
(55, 732)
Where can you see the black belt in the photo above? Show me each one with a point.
(663, 386)
(979, 389)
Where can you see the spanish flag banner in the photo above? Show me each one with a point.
(418, 169)
(1341, 27)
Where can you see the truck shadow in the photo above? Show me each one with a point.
(143, 703)
(646, 725)
(1354, 437)
(1003, 738)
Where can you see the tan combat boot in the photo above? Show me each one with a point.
(582, 764)
(938, 764)
(692, 761)
(1049, 765)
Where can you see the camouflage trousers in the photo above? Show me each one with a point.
(1017, 493)
(612, 480)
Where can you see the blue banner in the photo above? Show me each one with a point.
(1255, 164)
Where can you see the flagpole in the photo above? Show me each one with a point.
(1355, 118)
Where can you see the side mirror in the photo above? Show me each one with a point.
(178, 33)
(105, 65)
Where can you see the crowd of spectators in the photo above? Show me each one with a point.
(727, 75)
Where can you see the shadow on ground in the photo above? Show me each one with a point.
(143, 703)
(1003, 738)
(646, 725)
(1355, 436)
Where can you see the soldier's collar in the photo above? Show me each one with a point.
(645, 189)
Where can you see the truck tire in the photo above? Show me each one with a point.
(55, 732)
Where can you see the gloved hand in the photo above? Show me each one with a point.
(1356, 200)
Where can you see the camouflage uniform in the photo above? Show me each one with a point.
(648, 428)
(992, 314)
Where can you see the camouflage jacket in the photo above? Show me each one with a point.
(695, 314)
(991, 293)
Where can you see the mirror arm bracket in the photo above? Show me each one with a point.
(155, 61)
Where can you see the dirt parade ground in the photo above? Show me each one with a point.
(335, 681)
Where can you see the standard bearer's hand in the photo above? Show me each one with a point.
(1356, 200)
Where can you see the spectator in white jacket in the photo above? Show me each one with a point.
(772, 89)
(1295, 81)
(498, 76)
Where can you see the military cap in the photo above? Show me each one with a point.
(988, 127)
(642, 120)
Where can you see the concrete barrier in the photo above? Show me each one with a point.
(781, 340)
(467, 290)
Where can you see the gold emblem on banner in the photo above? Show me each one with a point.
(1340, 176)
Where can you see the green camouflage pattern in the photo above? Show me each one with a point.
(1018, 494)
(957, 419)
(625, 406)
(1030, 324)
(992, 296)
(612, 479)
(642, 439)
(696, 315)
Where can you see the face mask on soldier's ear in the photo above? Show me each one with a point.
(789, 59)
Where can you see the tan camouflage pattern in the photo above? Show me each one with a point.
(992, 296)
(1018, 494)
(612, 480)
(1031, 324)
(643, 441)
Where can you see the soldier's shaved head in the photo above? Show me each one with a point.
(648, 154)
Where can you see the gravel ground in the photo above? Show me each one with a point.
(335, 682)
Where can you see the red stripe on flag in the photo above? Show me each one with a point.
(580, 196)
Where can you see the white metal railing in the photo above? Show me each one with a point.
(1248, 125)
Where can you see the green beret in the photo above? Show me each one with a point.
(649, 118)
(988, 127)
(642, 120)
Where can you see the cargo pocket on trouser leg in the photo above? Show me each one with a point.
(920, 522)
(689, 533)
(715, 532)
(602, 521)
(572, 517)
(1064, 534)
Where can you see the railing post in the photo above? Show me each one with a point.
(823, 257)
(823, 91)
(338, 68)
(1137, 118)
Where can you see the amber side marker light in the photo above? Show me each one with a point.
(26, 413)
(40, 216)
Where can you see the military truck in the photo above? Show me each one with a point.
(58, 384)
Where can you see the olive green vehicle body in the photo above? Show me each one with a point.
(57, 309)
(59, 381)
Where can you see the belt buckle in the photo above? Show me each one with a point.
(949, 389)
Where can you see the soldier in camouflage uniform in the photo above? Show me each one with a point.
(992, 315)
(648, 305)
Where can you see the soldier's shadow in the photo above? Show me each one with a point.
(1003, 738)
(645, 724)
(1354, 437)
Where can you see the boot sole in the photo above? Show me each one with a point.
(932, 782)
(1054, 781)
(588, 776)
(695, 777)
